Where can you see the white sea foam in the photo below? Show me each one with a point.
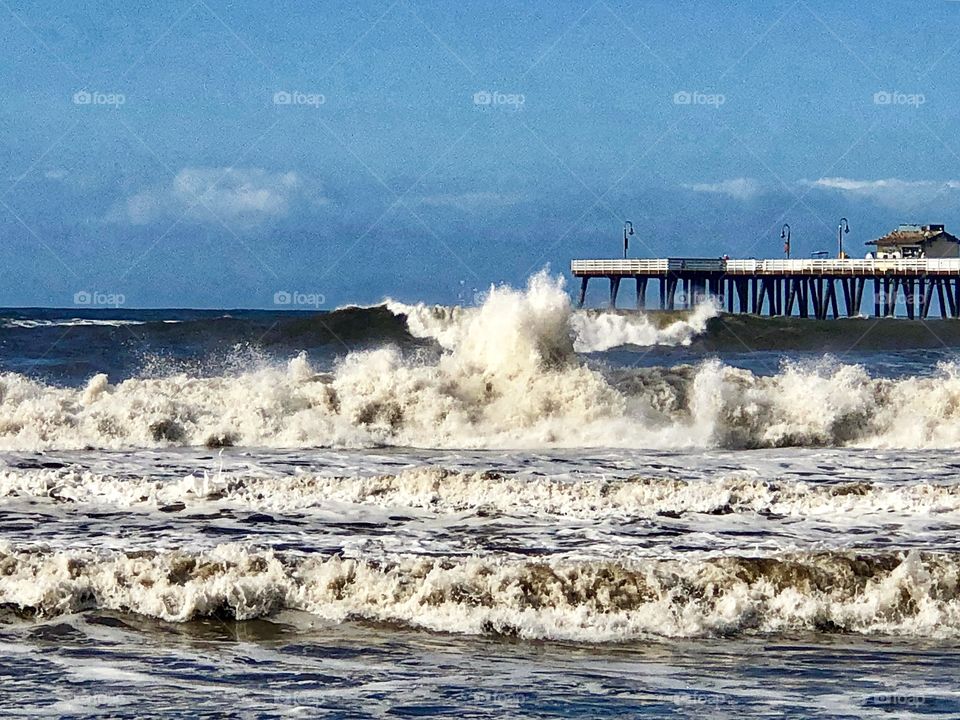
(440, 490)
(593, 331)
(67, 322)
(510, 379)
(599, 331)
(911, 594)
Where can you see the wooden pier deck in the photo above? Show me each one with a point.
(805, 288)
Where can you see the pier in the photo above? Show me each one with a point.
(803, 288)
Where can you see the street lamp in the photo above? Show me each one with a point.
(627, 232)
(785, 236)
(843, 227)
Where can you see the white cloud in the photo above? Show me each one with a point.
(742, 188)
(245, 196)
(891, 192)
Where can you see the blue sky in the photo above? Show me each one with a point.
(211, 154)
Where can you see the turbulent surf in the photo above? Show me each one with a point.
(515, 371)
(516, 468)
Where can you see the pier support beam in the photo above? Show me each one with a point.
(614, 289)
(768, 291)
(671, 291)
(815, 287)
(641, 293)
(716, 288)
(890, 286)
(742, 289)
(831, 300)
(926, 293)
(583, 291)
(803, 295)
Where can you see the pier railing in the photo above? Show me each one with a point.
(836, 267)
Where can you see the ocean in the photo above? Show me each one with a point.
(513, 509)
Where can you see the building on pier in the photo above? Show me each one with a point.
(806, 288)
(917, 241)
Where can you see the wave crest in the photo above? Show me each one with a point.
(591, 330)
(912, 594)
(440, 490)
(512, 378)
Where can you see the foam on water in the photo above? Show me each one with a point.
(511, 379)
(593, 331)
(441, 490)
(28, 323)
(912, 594)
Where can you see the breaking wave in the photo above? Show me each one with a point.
(592, 330)
(510, 378)
(441, 490)
(909, 594)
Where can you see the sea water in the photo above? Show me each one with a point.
(515, 509)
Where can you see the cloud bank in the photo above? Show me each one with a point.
(241, 196)
(892, 192)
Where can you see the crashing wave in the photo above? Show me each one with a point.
(910, 594)
(592, 330)
(515, 399)
(439, 490)
(512, 379)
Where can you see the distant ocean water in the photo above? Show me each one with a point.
(509, 510)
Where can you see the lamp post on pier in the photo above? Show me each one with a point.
(785, 236)
(627, 232)
(843, 227)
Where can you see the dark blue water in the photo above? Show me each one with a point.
(107, 665)
(68, 346)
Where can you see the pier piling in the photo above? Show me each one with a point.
(614, 289)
